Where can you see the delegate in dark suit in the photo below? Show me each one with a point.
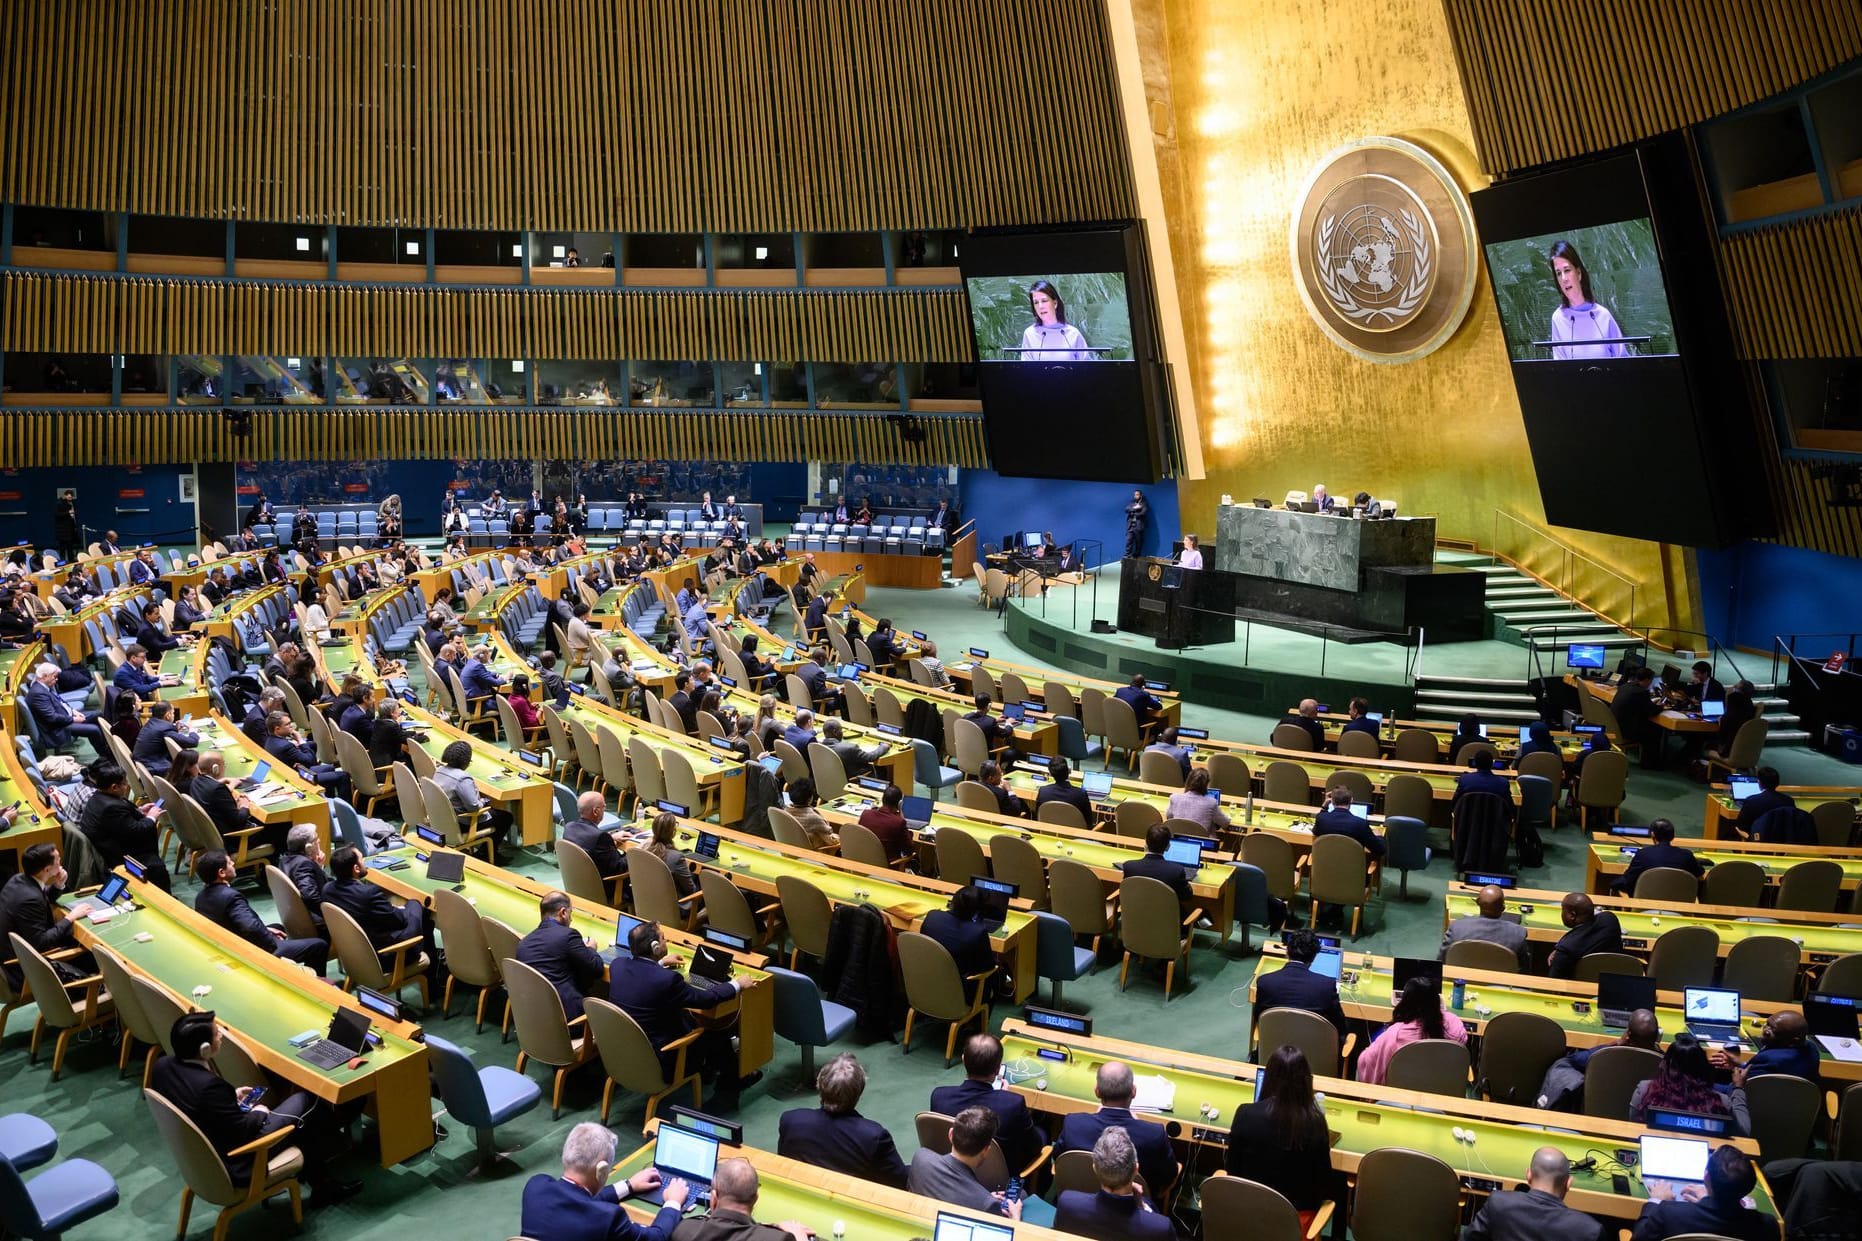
(1485, 782)
(1015, 1129)
(1293, 985)
(657, 998)
(562, 1211)
(152, 744)
(309, 879)
(1653, 857)
(1674, 1219)
(27, 910)
(967, 941)
(1531, 1216)
(595, 841)
(1157, 1163)
(1170, 874)
(380, 918)
(212, 1104)
(1110, 1217)
(117, 830)
(221, 904)
(1312, 728)
(1337, 822)
(1072, 794)
(56, 720)
(560, 954)
(1603, 933)
(844, 1142)
(1143, 704)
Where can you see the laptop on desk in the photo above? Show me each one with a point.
(917, 812)
(1673, 1163)
(996, 895)
(1186, 853)
(624, 928)
(1712, 709)
(1402, 969)
(258, 777)
(349, 1034)
(1619, 995)
(1742, 787)
(691, 1157)
(1098, 784)
(954, 1227)
(1711, 1013)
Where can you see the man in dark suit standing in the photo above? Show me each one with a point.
(29, 909)
(1059, 790)
(582, 1205)
(1636, 709)
(559, 953)
(1115, 1089)
(1663, 853)
(658, 997)
(835, 1136)
(1294, 985)
(1152, 865)
(1143, 704)
(220, 903)
(982, 1060)
(1722, 1213)
(1761, 803)
(187, 1080)
(1539, 1214)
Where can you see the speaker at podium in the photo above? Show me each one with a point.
(1178, 607)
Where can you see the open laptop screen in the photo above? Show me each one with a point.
(1742, 787)
(1710, 1004)
(1184, 853)
(1098, 785)
(681, 1152)
(1674, 1159)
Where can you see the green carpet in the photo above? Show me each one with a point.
(102, 1119)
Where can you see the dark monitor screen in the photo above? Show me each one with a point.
(1061, 322)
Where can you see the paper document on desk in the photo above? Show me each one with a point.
(1155, 1094)
(271, 793)
(1848, 1050)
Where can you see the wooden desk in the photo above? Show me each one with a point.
(1361, 1118)
(1368, 998)
(1032, 735)
(1505, 738)
(285, 798)
(1821, 938)
(221, 621)
(962, 675)
(754, 863)
(1213, 884)
(1722, 812)
(265, 1001)
(502, 778)
(712, 767)
(1604, 859)
(1670, 719)
(514, 900)
(821, 1200)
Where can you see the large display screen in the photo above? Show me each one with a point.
(1070, 382)
(1583, 294)
(1616, 335)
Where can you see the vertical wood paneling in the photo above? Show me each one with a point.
(1550, 82)
(1795, 289)
(622, 115)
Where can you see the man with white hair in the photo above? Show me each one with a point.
(57, 720)
(1321, 501)
(734, 1191)
(602, 846)
(1119, 1211)
(580, 1205)
(303, 863)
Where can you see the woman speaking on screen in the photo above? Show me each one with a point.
(1050, 338)
(1579, 318)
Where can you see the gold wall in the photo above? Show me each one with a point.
(1245, 99)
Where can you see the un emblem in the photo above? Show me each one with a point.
(1382, 246)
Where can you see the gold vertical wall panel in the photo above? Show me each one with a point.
(133, 314)
(1794, 289)
(1549, 82)
(597, 115)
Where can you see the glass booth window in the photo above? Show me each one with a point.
(381, 381)
(476, 249)
(262, 380)
(857, 385)
(53, 229)
(64, 373)
(788, 385)
(507, 380)
(200, 379)
(685, 385)
(740, 384)
(575, 381)
(572, 249)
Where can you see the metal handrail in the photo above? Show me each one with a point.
(1787, 645)
(1565, 579)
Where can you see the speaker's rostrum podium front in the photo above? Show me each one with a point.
(1177, 606)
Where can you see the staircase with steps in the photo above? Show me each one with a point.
(1527, 613)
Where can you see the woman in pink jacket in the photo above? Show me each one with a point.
(1419, 1015)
